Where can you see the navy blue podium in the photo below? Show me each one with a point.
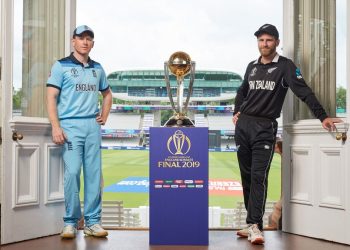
(179, 186)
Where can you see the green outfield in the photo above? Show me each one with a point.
(120, 164)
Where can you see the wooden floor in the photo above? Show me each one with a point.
(138, 240)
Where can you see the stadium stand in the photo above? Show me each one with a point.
(149, 85)
(123, 121)
(147, 121)
(220, 121)
(200, 120)
(121, 129)
(146, 99)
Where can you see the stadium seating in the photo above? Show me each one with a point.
(200, 120)
(220, 121)
(123, 121)
(148, 121)
(227, 142)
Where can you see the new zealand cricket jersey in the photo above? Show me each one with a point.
(265, 86)
(79, 86)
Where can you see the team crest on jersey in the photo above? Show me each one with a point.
(270, 70)
(74, 72)
(94, 73)
(253, 72)
(298, 73)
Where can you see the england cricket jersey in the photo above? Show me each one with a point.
(79, 87)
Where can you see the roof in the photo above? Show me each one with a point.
(138, 78)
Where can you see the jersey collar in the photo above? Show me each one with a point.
(74, 60)
(274, 60)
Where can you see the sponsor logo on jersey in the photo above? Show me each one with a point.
(298, 73)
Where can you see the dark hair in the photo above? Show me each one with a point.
(279, 145)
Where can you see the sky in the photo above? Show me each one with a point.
(218, 35)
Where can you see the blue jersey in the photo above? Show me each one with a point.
(79, 86)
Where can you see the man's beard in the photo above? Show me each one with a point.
(267, 51)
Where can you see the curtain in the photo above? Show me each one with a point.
(43, 43)
(315, 52)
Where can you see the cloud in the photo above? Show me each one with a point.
(143, 34)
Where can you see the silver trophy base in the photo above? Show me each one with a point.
(176, 121)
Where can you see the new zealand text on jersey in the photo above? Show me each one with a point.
(262, 84)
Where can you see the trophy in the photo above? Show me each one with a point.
(179, 64)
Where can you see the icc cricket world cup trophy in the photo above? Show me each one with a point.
(180, 65)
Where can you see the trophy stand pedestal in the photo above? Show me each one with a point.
(178, 186)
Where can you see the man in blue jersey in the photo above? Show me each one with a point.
(258, 103)
(72, 103)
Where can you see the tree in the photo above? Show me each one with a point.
(341, 98)
(17, 98)
(165, 115)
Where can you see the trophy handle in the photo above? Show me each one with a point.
(190, 85)
(168, 88)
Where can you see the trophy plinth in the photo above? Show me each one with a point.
(179, 64)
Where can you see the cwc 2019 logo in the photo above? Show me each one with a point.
(74, 72)
(179, 143)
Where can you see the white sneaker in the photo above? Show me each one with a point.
(95, 230)
(243, 232)
(68, 232)
(255, 236)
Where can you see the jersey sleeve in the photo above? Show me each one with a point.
(297, 84)
(241, 92)
(56, 76)
(103, 86)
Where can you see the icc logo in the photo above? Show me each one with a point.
(178, 143)
(74, 72)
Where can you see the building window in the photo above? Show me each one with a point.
(341, 53)
(37, 44)
(315, 52)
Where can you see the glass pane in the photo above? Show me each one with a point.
(341, 58)
(38, 42)
(0, 50)
(315, 47)
(1, 34)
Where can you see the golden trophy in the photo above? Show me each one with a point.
(180, 65)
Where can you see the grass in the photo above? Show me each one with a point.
(120, 164)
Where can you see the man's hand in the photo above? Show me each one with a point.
(328, 123)
(58, 136)
(100, 120)
(235, 118)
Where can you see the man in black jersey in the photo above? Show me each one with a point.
(258, 103)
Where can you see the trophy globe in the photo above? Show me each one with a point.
(180, 65)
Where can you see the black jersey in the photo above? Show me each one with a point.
(265, 86)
